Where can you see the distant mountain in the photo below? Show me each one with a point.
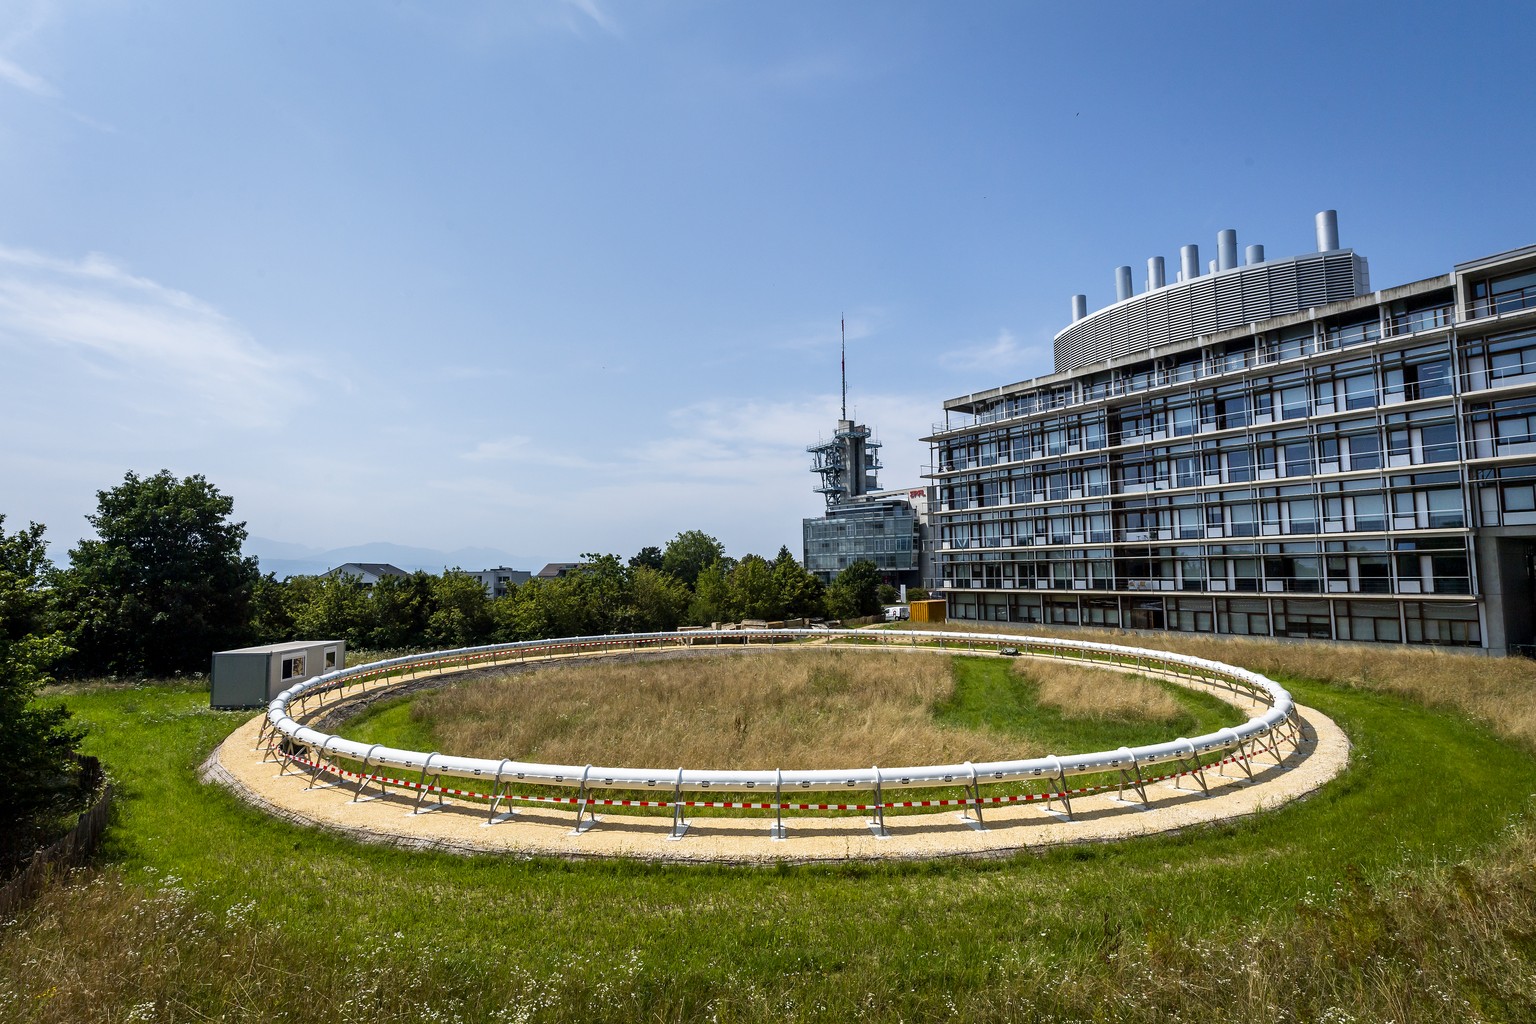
(286, 559)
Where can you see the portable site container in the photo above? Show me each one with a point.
(252, 676)
(928, 611)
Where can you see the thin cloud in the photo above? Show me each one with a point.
(113, 325)
(524, 450)
(825, 335)
(596, 13)
(23, 79)
(1005, 352)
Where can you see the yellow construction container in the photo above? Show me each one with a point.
(928, 611)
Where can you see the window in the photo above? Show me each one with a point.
(293, 667)
(1512, 356)
(1359, 391)
(1504, 294)
(1364, 451)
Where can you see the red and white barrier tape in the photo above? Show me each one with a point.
(1013, 798)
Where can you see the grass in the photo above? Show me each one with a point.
(792, 709)
(1406, 890)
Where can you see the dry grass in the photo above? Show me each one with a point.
(762, 710)
(800, 709)
(1098, 694)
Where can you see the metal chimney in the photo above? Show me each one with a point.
(1212, 265)
(1157, 275)
(1255, 254)
(1327, 231)
(1079, 307)
(1189, 262)
(1122, 283)
(1226, 249)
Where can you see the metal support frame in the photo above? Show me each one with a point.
(363, 776)
(1060, 779)
(1139, 783)
(585, 819)
(1198, 771)
(498, 795)
(778, 831)
(973, 807)
(679, 821)
(1274, 748)
(421, 790)
(877, 825)
(315, 769)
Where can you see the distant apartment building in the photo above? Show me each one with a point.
(368, 573)
(499, 582)
(1268, 448)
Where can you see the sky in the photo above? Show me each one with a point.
(566, 276)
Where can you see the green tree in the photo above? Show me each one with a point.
(712, 597)
(163, 584)
(462, 616)
(855, 591)
(272, 611)
(753, 591)
(800, 592)
(329, 608)
(399, 609)
(660, 600)
(649, 557)
(37, 742)
(689, 554)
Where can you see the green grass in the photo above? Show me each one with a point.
(1083, 931)
(989, 693)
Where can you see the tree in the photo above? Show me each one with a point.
(398, 610)
(689, 554)
(712, 597)
(660, 600)
(37, 742)
(855, 592)
(800, 592)
(163, 585)
(753, 592)
(462, 616)
(650, 557)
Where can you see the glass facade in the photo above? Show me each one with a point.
(883, 532)
(1340, 473)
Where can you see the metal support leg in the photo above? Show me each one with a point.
(1199, 769)
(1139, 783)
(878, 825)
(314, 771)
(679, 822)
(421, 789)
(779, 831)
(500, 795)
(973, 791)
(1066, 798)
(1243, 759)
(585, 819)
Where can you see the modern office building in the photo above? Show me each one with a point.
(861, 521)
(1268, 449)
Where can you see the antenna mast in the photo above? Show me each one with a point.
(843, 323)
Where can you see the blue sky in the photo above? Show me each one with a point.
(556, 277)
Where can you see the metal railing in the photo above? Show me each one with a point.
(285, 737)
